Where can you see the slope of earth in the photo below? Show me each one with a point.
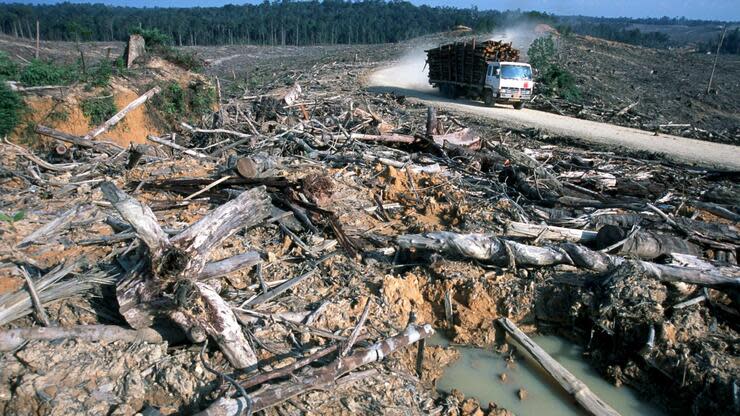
(670, 86)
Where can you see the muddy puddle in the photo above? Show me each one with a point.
(490, 377)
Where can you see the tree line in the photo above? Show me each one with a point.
(285, 22)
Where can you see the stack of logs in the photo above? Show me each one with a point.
(467, 61)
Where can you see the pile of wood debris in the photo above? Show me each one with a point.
(306, 238)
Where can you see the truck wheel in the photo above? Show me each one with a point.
(488, 98)
(519, 105)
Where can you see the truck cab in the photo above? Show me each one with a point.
(508, 83)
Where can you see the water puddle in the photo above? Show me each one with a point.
(478, 373)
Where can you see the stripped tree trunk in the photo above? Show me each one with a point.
(575, 387)
(489, 248)
(176, 267)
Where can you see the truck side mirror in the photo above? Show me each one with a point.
(497, 73)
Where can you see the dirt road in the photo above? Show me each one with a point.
(706, 154)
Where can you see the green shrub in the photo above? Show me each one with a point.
(201, 98)
(100, 75)
(552, 79)
(48, 73)
(152, 37)
(542, 52)
(186, 60)
(560, 82)
(170, 102)
(99, 109)
(8, 68)
(11, 106)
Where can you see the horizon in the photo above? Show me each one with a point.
(710, 10)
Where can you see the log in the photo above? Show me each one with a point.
(217, 131)
(230, 265)
(387, 138)
(176, 146)
(575, 387)
(646, 245)
(547, 232)
(321, 378)
(14, 338)
(111, 149)
(121, 114)
(55, 226)
(140, 216)
(491, 249)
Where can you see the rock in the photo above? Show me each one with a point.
(523, 394)
(503, 377)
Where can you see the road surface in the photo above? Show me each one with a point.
(679, 149)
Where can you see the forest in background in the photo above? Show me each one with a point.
(290, 22)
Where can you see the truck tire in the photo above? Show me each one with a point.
(488, 98)
(519, 105)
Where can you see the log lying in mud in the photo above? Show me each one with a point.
(491, 249)
(177, 263)
(575, 387)
(321, 378)
(14, 338)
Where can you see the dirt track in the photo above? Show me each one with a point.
(679, 149)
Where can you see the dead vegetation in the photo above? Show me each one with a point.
(285, 253)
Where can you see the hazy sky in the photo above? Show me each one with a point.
(695, 9)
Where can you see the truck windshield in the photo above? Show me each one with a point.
(516, 72)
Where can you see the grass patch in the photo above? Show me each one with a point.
(99, 109)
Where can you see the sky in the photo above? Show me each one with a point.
(693, 9)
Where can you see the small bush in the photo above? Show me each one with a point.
(99, 109)
(11, 106)
(100, 75)
(170, 102)
(552, 79)
(8, 68)
(542, 52)
(152, 37)
(48, 73)
(201, 98)
(184, 60)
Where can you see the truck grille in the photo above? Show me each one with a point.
(524, 93)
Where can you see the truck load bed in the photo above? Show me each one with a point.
(466, 62)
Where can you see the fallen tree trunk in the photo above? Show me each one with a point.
(491, 249)
(547, 232)
(321, 378)
(14, 338)
(575, 387)
(111, 149)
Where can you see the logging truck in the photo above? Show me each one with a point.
(487, 71)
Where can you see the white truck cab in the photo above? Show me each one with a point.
(508, 83)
